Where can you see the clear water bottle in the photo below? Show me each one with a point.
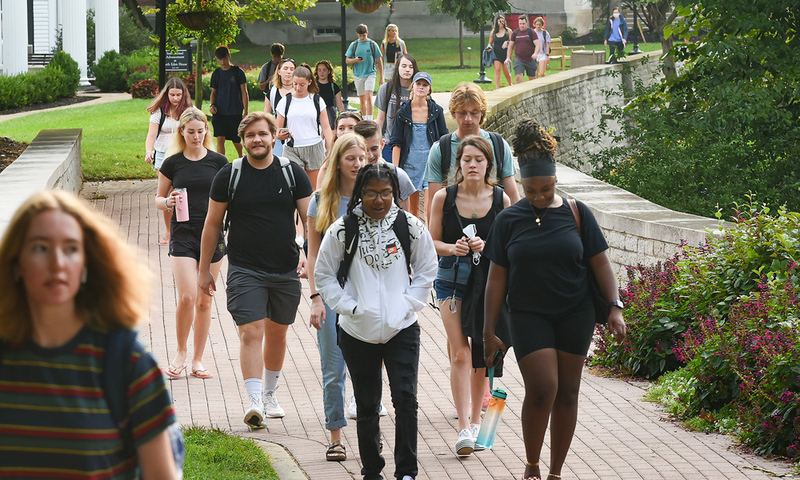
(492, 418)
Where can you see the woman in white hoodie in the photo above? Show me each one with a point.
(377, 297)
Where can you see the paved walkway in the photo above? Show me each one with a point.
(617, 436)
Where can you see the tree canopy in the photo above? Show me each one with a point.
(473, 13)
(727, 124)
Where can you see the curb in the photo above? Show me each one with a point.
(282, 461)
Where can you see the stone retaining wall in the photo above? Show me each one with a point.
(52, 160)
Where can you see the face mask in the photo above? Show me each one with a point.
(616, 15)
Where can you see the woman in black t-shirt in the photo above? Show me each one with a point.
(474, 206)
(192, 165)
(537, 259)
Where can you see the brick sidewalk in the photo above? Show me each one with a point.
(617, 436)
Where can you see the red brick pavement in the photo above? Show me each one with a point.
(617, 436)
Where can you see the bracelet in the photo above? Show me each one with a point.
(314, 295)
(167, 206)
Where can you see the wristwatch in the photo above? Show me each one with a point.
(617, 303)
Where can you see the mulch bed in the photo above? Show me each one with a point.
(44, 106)
(9, 151)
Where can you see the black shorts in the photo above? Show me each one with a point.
(571, 332)
(227, 126)
(184, 241)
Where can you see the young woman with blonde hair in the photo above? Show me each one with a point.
(392, 46)
(69, 286)
(192, 165)
(347, 157)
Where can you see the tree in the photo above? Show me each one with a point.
(224, 26)
(727, 124)
(472, 14)
(138, 15)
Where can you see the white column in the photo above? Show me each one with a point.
(15, 37)
(106, 21)
(74, 34)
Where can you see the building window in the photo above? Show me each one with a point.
(327, 32)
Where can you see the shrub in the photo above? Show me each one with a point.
(142, 65)
(569, 34)
(71, 80)
(598, 31)
(144, 88)
(110, 72)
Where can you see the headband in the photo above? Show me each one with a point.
(538, 168)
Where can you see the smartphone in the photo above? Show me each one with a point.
(284, 130)
(360, 58)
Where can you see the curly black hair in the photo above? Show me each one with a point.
(374, 171)
(532, 141)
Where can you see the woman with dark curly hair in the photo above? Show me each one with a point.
(541, 261)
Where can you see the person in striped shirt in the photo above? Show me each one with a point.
(67, 283)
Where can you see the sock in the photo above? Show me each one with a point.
(253, 387)
(367, 117)
(271, 378)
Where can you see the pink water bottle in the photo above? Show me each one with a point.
(491, 419)
(182, 205)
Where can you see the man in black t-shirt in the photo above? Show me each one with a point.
(229, 100)
(264, 259)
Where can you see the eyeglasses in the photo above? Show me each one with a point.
(288, 60)
(372, 195)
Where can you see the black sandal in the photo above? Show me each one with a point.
(336, 452)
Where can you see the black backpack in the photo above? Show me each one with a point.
(446, 151)
(400, 227)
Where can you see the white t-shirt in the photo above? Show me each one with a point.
(168, 129)
(302, 119)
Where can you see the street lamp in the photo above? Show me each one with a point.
(344, 59)
(482, 76)
(635, 50)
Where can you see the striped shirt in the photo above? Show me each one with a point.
(54, 418)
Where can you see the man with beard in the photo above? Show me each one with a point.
(260, 193)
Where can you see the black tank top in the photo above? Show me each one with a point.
(392, 49)
(500, 53)
(452, 229)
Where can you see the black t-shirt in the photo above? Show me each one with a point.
(261, 233)
(328, 93)
(229, 93)
(546, 273)
(195, 177)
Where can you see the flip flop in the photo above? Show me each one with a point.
(163, 242)
(174, 372)
(202, 373)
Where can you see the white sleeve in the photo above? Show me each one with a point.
(424, 264)
(331, 252)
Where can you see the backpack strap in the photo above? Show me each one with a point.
(372, 46)
(286, 112)
(400, 227)
(233, 182)
(119, 343)
(316, 98)
(499, 152)
(449, 202)
(497, 203)
(350, 247)
(161, 122)
(288, 173)
(573, 206)
(446, 152)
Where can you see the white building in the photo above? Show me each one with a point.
(31, 27)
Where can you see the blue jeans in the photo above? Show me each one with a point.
(333, 373)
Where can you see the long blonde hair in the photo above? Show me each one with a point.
(330, 198)
(179, 142)
(117, 286)
(396, 38)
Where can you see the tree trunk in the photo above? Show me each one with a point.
(666, 45)
(198, 74)
(133, 6)
(461, 43)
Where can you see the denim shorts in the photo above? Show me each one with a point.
(451, 281)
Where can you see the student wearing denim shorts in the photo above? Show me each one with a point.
(475, 196)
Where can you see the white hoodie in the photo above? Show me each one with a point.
(377, 301)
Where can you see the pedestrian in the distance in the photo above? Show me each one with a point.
(387, 282)
(615, 36)
(281, 85)
(365, 57)
(268, 69)
(165, 111)
(391, 95)
(524, 49)
(229, 100)
(192, 165)
(392, 47)
(552, 313)
(543, 54)
(330, 91)
(420, 122)
(498, 42)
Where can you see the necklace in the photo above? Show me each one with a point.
(546, 209)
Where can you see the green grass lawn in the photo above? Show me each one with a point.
(114, 133)
(212, 454)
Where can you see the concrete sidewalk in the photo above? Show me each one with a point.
(617, 437)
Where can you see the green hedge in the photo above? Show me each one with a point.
(60, 78)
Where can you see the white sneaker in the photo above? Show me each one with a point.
(352, 413)
(383, 412)
(272, 408)
(254, 416)
(408, 477)
(476, 428)
(465, 444)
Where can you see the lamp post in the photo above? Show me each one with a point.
(635, 50)
(482, 76)
(161, 26)
(345, 102)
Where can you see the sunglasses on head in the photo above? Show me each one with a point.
(288, 60)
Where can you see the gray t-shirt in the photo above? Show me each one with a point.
(406, 185)
(391, 106)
